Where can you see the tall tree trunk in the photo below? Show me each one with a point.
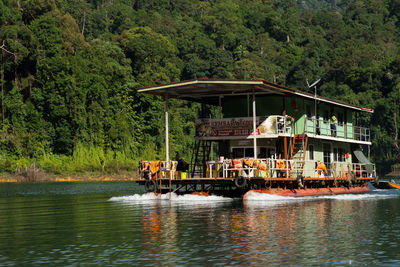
(83, 24)
(16, 80)
(2, 93)
(396, 134)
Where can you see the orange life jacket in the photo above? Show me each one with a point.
(249, 162)
(322, 167)
(236, 163)
(261, 166)
(280, 164)
(155, 167)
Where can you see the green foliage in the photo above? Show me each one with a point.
(152, 55)
(69, 69)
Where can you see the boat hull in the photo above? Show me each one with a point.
(312, 191)
(393, 185)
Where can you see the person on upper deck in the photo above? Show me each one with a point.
(283, 121)
(333, 125)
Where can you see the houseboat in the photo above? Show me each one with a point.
(264, 138)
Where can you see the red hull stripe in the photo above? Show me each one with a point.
(312, 191)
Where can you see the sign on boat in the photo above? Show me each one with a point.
(270, 139)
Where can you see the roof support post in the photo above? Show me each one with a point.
(248, 105)
(254, 126)
(220, 106)
(166, 130)
(369, 152)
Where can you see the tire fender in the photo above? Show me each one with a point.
(150, 186)
(240, 182)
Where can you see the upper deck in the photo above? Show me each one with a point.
(257, 106)
(275, 126)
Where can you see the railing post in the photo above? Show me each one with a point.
(166, 130)
(254, 126)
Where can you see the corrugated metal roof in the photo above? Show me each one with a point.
(209, 90)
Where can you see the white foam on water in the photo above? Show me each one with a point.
(170, 198)
(262, 199)
(276, 199)
(136, 197)
(252, 195)
(363, 196)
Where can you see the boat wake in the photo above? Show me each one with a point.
(275, 199)
(188, 199)
(252, 198)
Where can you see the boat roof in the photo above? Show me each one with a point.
(209, 91)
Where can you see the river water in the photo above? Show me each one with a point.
(115, 223)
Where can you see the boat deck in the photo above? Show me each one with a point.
(255, 179)
(238, 186)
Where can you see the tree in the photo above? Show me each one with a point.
(152, 55)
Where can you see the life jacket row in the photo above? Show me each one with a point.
(251, 163)
(280, 164)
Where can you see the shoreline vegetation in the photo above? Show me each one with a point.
(8, 178)
(87, 163)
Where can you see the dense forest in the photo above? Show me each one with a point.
(69, 69)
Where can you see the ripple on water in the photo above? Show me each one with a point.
(143, 229)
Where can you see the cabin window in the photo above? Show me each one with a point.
(263, 153)
(342, 156)
(308, 111)
(326, 116)
(311, 152)
(243, 152)
(339, 154)
(270, 152)
(249, 152)
(327, 156)
(238, 153)
(340, 119)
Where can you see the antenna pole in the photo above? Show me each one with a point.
(315, 102)
(315, 109)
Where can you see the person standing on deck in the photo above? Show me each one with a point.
(333, 125)
(182, 165)
(321, 169)
(283, 121)
(317, 129)
(280, 167)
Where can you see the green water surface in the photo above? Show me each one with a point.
(75, 224)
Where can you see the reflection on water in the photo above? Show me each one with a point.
(143, 229)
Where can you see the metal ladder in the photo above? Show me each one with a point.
(298, 153)
(201, 147)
